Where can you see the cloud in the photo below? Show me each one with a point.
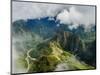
(71, 18)
(27, 10)
(71, 27)
(66, 14)
(64, 17)
(75, 17)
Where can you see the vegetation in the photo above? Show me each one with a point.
(63, 50)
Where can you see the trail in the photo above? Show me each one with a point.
(29, 59)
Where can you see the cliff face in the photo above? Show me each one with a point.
(69, 41)
(84, 50)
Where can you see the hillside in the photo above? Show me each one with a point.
(43, 46)
(51, 61)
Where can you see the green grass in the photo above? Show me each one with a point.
(49, 56)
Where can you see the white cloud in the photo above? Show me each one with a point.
(58, 25)
(73, 26)
(64, 17)
(65, 13)
(51, 18)
(71, 16)
(27, 10)
(74, 17)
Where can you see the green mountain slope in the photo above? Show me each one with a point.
(50, 61)
(56, 54)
